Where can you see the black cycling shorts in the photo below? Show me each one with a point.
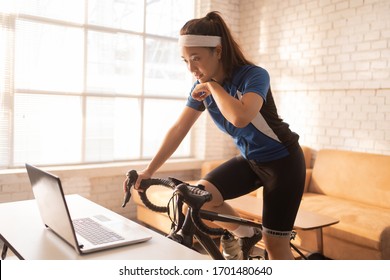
(282, 180)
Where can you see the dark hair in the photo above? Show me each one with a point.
(214, 25)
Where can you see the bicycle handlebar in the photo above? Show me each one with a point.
(145, 184)
(193, 196)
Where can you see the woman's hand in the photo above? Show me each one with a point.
(142, 175)
(239, 112)
(201, 91)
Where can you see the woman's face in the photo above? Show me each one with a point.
(204, 63)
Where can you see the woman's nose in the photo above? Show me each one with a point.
(191, 67)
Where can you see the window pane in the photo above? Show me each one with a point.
(123, 14)
(158, 118)
(48, 57)
(113, 129)
(167, 17)
(4, 98)
(114, 63)
(165, 72)
(69, 10)
(47, 129)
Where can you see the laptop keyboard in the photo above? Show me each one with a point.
(94, 232)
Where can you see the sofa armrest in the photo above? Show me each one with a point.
(309, 171)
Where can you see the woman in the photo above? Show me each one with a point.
(238, 97)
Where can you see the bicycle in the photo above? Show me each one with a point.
(190, 225)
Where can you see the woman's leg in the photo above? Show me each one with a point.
(218, 205)
(278, 248)
(231, 179)
(284, 181)
(238, 249)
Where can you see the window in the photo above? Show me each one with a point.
(89, 81)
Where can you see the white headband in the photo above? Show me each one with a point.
(199, 41)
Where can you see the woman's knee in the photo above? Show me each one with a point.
(217, 198)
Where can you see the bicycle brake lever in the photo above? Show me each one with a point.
(176, 182)
(131, 179)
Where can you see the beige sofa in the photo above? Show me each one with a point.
(352, 187)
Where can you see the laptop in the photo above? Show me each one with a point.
(86, 234)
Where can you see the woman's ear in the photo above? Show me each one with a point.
(218, 50)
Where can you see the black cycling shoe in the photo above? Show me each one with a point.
(247, 243)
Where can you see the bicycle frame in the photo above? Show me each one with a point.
(188, 231)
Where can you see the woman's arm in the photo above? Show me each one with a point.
(170, 143)
(173, 138)
(239, 112)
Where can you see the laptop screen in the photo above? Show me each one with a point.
(49, 195)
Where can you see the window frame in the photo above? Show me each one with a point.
(10, 89)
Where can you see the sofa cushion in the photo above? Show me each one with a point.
(365, 225)
(360, 177)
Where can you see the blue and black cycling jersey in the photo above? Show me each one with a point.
(267, 137)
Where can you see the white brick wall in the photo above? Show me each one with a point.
(329, 62)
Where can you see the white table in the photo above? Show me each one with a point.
(22, 230)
